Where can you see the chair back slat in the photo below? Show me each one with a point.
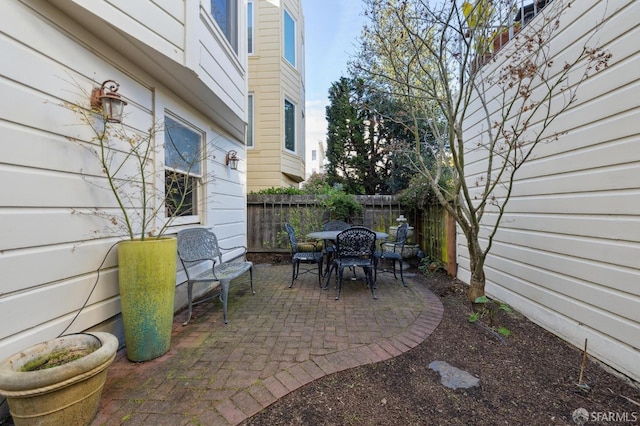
(401, 235)
(356, 241)
(293, 240)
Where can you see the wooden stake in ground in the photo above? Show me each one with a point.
(584, 362)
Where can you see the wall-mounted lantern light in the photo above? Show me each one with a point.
(109, 102)
(232, 160)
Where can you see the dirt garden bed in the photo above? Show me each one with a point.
(528, 378)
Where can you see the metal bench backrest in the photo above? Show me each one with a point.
(197, 245)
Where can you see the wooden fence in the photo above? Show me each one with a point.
(267, 214)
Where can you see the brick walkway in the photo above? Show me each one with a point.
(276, 341)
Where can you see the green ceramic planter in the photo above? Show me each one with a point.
(147, 276)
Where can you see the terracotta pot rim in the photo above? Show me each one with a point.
(12, 379)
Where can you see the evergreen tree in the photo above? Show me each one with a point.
(358, 140)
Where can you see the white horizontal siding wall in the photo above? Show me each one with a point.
(568, 251)
(52, 244)
(159, 23)
(216, 63)
(178, 43)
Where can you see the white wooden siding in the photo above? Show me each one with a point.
(567, 253)
(52, 242)
(173, 41)
(159, 25)
(218, 65)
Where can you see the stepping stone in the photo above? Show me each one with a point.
(453, 377)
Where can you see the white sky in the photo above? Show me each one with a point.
(332, 28)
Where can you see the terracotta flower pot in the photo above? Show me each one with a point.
(503, 38)
(64, 394)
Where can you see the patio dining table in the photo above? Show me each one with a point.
(332, 236)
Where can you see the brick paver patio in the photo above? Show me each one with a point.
(276, 341)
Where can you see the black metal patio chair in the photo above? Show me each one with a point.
(298, 256)
(354, 248)
(395, 255)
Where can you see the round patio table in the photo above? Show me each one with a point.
(332, 235)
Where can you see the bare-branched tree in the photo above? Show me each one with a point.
(150, 194)
(445, 62)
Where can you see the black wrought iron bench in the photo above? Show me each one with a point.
(197, 246)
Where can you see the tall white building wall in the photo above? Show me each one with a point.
(52, 244)
(567, 254)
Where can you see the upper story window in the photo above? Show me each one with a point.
(289, 126)
(250, 32)
(289, 39)
(314, 155)
(250, 119)
(225, 13)
(183, 167)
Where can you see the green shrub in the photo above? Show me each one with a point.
(316, 184)
(280, 191)
(341, 206)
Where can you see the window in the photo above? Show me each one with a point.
(314, 155)
(250, 120)
(183, 168)
(225, 12)
(289, 39)
(289, 126)
(250, 27)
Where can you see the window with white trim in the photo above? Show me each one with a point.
(225, 13)
(289, 125)
(250, 119)
(183, 156)
(250, 28)
(289, 38)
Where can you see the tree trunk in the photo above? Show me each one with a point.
(476, 263)
(476, 285)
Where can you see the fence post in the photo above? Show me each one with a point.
(452, 263)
